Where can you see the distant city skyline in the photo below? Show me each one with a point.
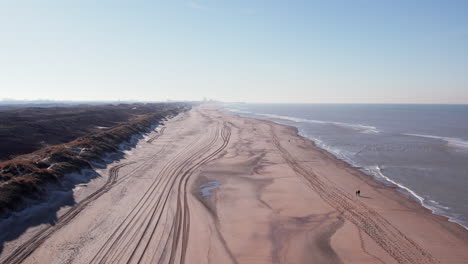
(235, 51)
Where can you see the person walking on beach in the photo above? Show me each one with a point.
(358, 193)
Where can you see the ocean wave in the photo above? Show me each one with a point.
(337, 152)
(357, 127)
(453, 142)
(377, 171)
(432, 205)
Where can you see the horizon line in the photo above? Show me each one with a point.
(39, 101)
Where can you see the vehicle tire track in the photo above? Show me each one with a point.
(156, 136)
(181, 223)
(225, 134)
(23, 251)
(131, 220)
(132, 239)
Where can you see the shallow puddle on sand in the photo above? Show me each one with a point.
(206, 188)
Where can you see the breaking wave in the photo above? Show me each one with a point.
(432, 205)
(357, 127)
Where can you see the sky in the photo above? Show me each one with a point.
(360, 51)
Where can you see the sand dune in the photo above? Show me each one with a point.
(216, 188)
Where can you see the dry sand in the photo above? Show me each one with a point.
(218, 188)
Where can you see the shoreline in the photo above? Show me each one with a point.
(406, 191)
(370, 178)
(391, 193)
(390, 183)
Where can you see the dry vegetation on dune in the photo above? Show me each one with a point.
(25, 176)
(27, 129)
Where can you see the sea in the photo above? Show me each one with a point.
(421, 149)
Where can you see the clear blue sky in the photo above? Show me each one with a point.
(360, 51)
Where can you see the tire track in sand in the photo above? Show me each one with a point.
(23, 251)
(156, 136)
(139, 237)
(136, 218)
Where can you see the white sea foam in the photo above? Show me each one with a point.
(437, 204)
(453, 142)
(337, 152)
(376, 171)
(357, 127)
(432, 205)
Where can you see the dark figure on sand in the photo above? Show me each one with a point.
(358, 192)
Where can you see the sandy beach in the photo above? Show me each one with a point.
(209, 187)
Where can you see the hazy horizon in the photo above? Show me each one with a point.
(244, 51)
(104, 101)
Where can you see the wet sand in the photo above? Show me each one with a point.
(215, 188)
